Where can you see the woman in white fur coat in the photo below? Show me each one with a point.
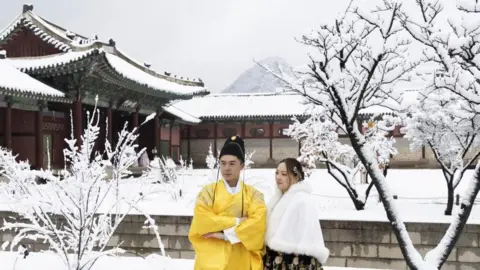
(294, 238)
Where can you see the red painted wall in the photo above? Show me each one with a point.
(209, 127)
(23, 122)
(25, 43)
(175, 136)
(165, 133)
(249, 126)
(24, 146)
(237, 127)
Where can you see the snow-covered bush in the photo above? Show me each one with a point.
(164, 171)
(75, 216)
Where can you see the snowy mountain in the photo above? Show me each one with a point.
(258, 80)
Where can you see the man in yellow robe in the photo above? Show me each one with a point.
(229, 220)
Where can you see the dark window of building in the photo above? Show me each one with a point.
(184, 132)
(202, 133)
(176, 153)
(229, 132)
(165, 148)
(283, 132)
(257, 132)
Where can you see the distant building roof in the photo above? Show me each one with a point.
(244, 106)
(182, 115)
(260, 106)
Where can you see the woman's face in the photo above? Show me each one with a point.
(283, 179)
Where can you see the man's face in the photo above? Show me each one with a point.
(230, 167)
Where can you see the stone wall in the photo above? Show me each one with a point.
(351, 243)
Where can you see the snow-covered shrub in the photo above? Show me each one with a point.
(78, 215)
(164, 171)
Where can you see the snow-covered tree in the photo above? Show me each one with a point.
(319, 143)
(376, 135)
(449, 126)
(210, 159)
(362, 56)
(248, 160)
(190, 165)
(449, 33)
(77, 215)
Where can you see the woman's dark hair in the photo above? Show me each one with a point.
(294, 167)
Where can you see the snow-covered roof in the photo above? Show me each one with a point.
(182, 115)
(75, 46)
(28, 64)
(13, 81)
(245, 106)
(118, 64)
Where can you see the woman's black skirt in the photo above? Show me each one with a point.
(274, 260)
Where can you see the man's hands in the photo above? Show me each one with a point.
(218, 235)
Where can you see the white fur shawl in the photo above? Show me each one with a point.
(293, 225)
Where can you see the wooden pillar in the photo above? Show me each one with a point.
(110, 124)
(215, 129)
(243, 130)
(189, 132)
(135, 125)
(135, 118)
(78, 119)
(170, 148)
(271, 139)
(8, 126)
(156, 132)
(39, 138)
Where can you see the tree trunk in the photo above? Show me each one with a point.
(450, 190)
(398, 227)
(359, 204)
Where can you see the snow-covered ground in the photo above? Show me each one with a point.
(48, 261)
(421, 195)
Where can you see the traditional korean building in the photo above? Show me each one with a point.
(261, 119)
(50, 72)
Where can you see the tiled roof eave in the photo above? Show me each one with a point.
(32, 95)
(54, 67)
(151, 90)
(11, 29)
(108, 70)
(267, 117)
(252, 117)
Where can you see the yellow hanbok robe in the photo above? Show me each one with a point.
(217, 254)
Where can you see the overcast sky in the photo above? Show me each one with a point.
(215, 40)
